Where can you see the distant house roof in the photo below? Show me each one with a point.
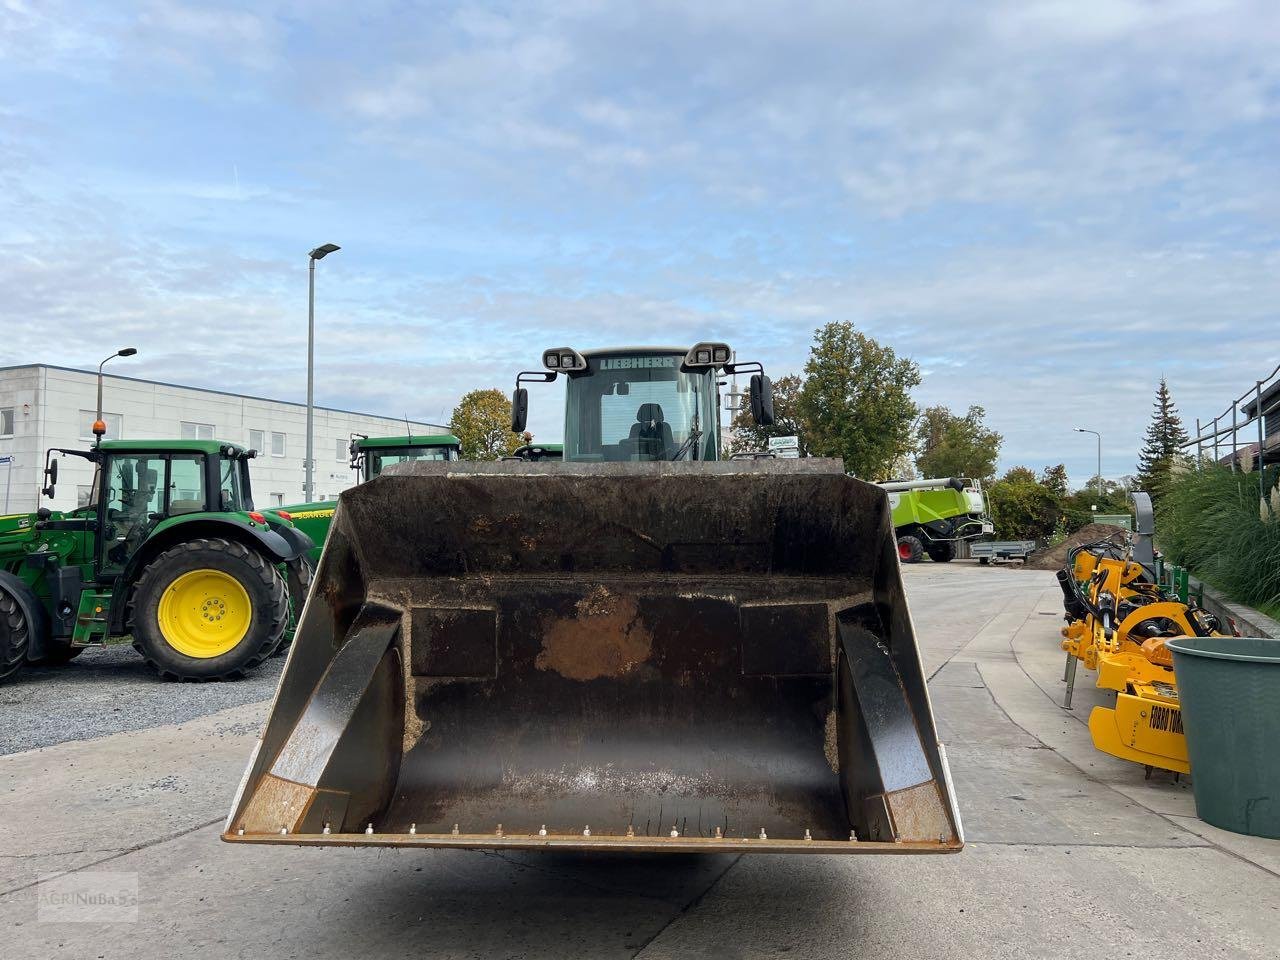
(1268, 395)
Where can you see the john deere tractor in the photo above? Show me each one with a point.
(169, 550)
(369, 455)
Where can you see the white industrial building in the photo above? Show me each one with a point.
(43, 406)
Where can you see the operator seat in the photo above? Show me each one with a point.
(651, 434)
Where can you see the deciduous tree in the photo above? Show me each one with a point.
(482, 422)
(749, 436)
(856, 400)
(952, 446)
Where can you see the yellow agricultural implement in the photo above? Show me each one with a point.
(1118, 620)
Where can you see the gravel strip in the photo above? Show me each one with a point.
(110, 690)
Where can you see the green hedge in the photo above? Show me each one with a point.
(1212, 522)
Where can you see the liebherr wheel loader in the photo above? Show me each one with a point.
(643, 647)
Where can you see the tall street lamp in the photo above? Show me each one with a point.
(319, 253)
(1099, 436)
(100, 425)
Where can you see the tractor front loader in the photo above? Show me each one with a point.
(643, 647)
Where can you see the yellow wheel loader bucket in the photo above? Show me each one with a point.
(707, 656)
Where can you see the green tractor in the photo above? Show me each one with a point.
(169, 550)
(369, 457)
(932, 516)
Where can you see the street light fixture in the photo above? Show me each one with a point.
(99, 425)
(319, 253)
(1101, 494)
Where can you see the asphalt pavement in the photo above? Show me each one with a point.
(1069, 853)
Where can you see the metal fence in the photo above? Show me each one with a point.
(1223, 433)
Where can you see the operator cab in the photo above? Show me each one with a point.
(139, 483)
(642, 403)
(371, 455)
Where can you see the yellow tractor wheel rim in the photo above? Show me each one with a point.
(204, 613)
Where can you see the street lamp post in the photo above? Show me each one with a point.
(319, 253)
(1101, 493)
(100, 425)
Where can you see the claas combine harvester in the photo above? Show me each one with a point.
(1118, 619)
(643, 647)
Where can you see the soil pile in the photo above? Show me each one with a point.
(1055, 558)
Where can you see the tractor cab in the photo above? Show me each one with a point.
(371, 455)
(140, 486)
(642, 403)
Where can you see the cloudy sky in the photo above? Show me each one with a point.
(1047, 204)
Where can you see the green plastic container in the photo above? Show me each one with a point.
(1229, 689)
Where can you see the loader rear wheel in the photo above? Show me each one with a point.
(15, 635)
(942, 552)
(209, 609)
(910, 549)
(298, 576)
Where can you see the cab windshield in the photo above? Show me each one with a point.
(640, 406)
(378, 460)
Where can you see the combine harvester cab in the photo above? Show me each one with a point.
(609, 655)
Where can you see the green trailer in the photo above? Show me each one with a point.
(169, 552)
(369, 457)
(931, 516)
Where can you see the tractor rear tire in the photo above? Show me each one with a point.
(942, 552)
(298, 577)
(910, 549)
(182, 598)
(15, 636)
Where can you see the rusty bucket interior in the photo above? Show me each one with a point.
(686, 656)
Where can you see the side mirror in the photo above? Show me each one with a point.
(519, 409)
(51, 478)
(761, 399)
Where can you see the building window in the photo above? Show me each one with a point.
(277, 499)
(342, 451)
(277, 444)
(197, 431)
(6, 421)
(257, 441)
(114, 422)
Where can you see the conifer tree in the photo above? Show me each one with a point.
(1162, 446)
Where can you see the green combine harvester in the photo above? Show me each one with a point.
(932, 516)
(369, 457)
(169, 551)
(643, 647)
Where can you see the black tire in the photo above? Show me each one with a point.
(268, 598)
(910, 549)
(942, 552)
(985, 561)
(15, 636)
(298, 576)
